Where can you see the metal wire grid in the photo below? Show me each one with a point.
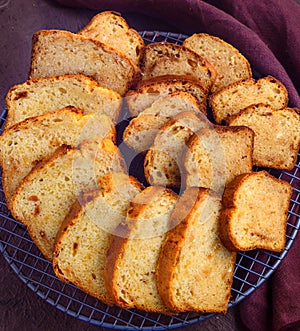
(251, 270)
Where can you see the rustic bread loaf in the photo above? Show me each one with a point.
(152, 89)
(277, 134)
(164, 58)
(215, 156)
(195, 270)
(163, 161)
(132, 256)
(141, 131)
(255, 212)
(25, 144)
(83, 239)
(237, 96)
(57, 52)
(230, 64)
(40, 96)
(45, 196)
(112, 29)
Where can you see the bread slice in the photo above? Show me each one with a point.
(164, 58)
(195, 270)
(111, 28)
(132, 256)
(152, 89)
(83, 239)
(43, 95)
(57, 52)
(255, 212)
(25, 144)
(44, 197)
(230, 64)
(237, 96)
(141, 131)
(215, 156)
(163, 161)
(277, 134)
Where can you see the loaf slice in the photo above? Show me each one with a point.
(83, 239)
(132, 256)
(141, 131)
(44, 197)
(255, 212)
(152, 89)
(57, 52)
(215, 156)
(237, 96)
(163, 161)
(112, 29)
(163, 58)
(230, 64)
(25, 144)
(277, 134)
(195, 270)
(43, 95)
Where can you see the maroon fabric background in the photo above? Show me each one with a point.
(267, 32)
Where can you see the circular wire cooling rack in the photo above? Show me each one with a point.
(251, 270)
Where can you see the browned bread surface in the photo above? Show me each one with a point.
(40, 96)
(111, 28)
(195, 270)
(230, 64)
(164, 58)
(254, 214)
(277, 134)
(53, 55)
(84, 236)
(237, 96)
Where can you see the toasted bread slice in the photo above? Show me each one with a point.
(43, 95)
(133, 254)
(163, 161)
(215, 156)
(57, 52)
(277, 134)
(230, 64)
(164, 58)
(111, 28)
(83, 239)
(141, 131)
(255, 212)
(27, 143)
(44, 197)
(237, 96)
(195, 270)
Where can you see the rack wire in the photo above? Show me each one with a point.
(251, 270)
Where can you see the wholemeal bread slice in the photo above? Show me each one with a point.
(163, 161)
(255, 212)
(141, 131)
(112, 29)
(215, 156)
(152, 89)
(40, 96)
(83, 239)
(230, 64)
(57, 52)
(164, 58)
(44, 197)
(195, 270)
(237, 96)
(25, 144)
(132, 256)
(277, 134)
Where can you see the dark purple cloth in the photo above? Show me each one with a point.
(267, 32)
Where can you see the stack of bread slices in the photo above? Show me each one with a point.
(167, 245)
